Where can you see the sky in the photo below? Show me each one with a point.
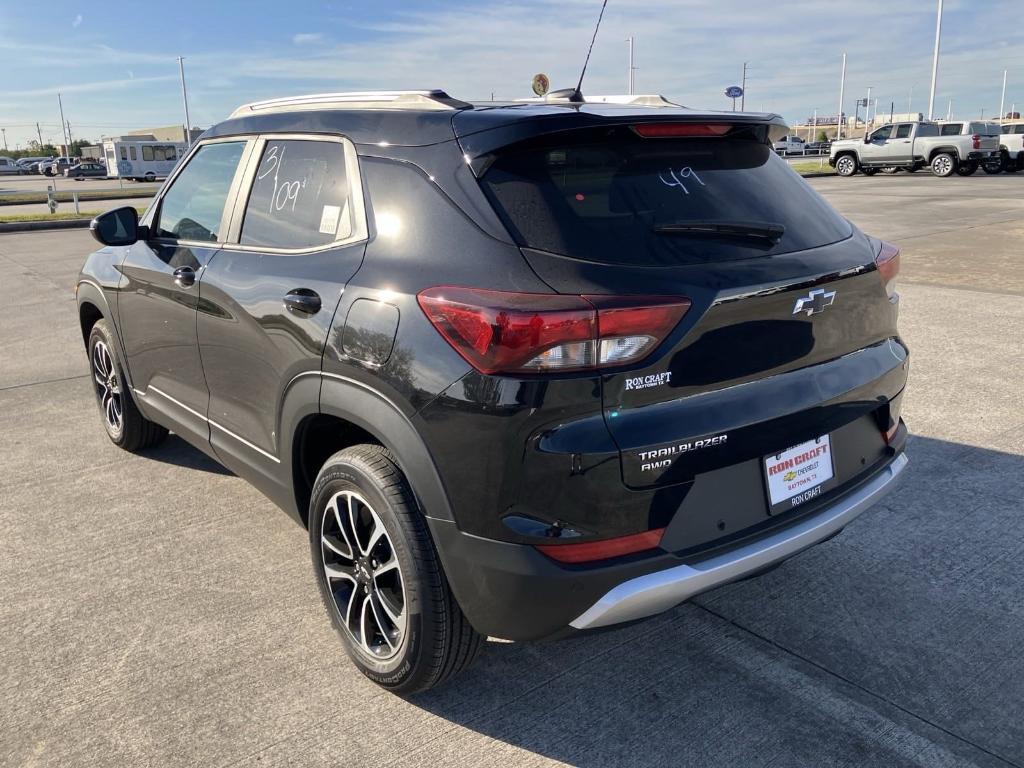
(115, 64)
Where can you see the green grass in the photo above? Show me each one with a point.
(813, 166)
(19, 198)
(29, 217)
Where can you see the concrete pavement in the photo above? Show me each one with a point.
(156, 610)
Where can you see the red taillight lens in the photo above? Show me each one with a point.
(504, 332)
(591, 551)
(888, 262)
(669, 130)
(891, 432)
(977, 141)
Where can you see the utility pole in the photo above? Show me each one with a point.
(1002, 101)
(184, 98)
(949, 111)
(632, 69)
(40, 135)
(935, 62)
(70, 139)
(910, 100)
(4, 132)
(63, 126)
(867, 109)
(842, 87)
(743, 86)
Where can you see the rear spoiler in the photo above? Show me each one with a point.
(481, 138)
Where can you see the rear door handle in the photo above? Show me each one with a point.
(185, 276)
(303, 301)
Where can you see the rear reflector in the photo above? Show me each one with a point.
(590, 551)
(891, 432)
(504, 332)
(888, 262)
(669, 130)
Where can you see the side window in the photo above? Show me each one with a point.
(927, 129)
(1018, 128)
(903, 131)
(124, 152)
(147, 152)
(158, 153)
(192, 208)
(951, 129)
(134, 155)
(302, 196)
(170, 153)
(882, 133)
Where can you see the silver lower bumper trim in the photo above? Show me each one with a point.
(657, 592)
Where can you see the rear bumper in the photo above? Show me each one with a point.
(657, 592)
(514, 592)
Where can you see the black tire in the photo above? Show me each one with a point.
(436, 642)
(911, 169)
(943, 164)
(967, 169)
(993, 168)
(846, 165)
(130, 430)
(869, 171)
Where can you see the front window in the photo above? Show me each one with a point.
(882, 133)
(193, 206)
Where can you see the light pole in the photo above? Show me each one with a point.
(63, 127)
(935, 62)
(631, 67)
(743, 87)
(4, 132)
(842, 87)
(867, 109)
(1002, 100)
(184, 98)
(949, 111)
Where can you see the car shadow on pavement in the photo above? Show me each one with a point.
(895, 643)
(176, 451)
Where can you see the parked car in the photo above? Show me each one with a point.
(55, 167)
(525, 371)
(817, 147)
(989, 132)
(9, 167)
(82, 170)
(789, 145)
(1011, 146)
(913, 145)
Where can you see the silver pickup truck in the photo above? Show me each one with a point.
(914, 145)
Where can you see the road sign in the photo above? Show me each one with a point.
(734, 92)
(541, 83)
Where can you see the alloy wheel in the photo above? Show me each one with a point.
(943, 165)
(845, 166)
(363, 575)
(108, 388)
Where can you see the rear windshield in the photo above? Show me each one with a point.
(604, 200)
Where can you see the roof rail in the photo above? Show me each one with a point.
(622, 100)
(633, 100)
(415, 100)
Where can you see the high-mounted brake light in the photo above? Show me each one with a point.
(591, 551)
(670, 130)
(888, 263)
(504, 332)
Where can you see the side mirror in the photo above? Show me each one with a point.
(118, 227)
(867, 139)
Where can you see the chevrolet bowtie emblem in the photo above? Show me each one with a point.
(815, 302)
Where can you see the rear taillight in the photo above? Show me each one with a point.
(591, 551)
(977, 141)
(888, 263)
(504, 332)
(676, 130)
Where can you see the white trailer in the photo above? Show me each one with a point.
(141, 159)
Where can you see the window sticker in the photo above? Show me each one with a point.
(329, 219)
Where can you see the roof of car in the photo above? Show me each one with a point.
(419, 118)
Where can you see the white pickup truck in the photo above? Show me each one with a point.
(914, 145)
(1011, 146)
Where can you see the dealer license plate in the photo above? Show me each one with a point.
(797, 474)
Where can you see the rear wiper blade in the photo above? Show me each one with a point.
(757, 230)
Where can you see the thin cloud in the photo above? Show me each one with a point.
(78, 21)
(307, 38)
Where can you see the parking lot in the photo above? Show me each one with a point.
(156, 610)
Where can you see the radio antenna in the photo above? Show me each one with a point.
(577, 95)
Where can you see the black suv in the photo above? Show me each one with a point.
(521, 369)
